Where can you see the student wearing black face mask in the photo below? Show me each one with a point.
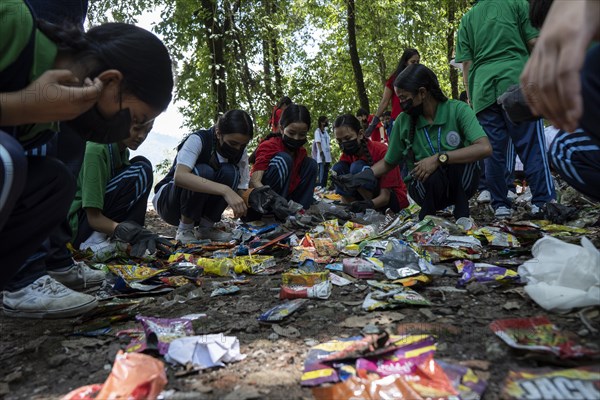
(359, 154)
(282, 162)
(210, 172)
(441, 141)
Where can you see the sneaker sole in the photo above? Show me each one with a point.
(65, 313)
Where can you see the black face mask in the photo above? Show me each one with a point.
(92, 126)
(293, 144)
(351, 147)
(410, 109)
(229, 152)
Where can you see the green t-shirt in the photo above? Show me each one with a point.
(494, 35)
(455, 125)
(100, 164)
(16, 23)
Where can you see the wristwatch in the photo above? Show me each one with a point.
(443, 158)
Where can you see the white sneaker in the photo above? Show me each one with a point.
(511, 195)
(79, 276)
(185, 236)
(503, 212)
(484, 197)
(46, 298)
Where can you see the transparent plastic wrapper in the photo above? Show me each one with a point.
(160, 332)
(223, 291)
(205, 351)
(282, 310)
(539, 334)
(356, 236)
(562, 276)
(380, 300)
(551, 384)
(133, 377)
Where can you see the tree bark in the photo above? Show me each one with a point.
(266, 55)
(275, 54)
(214, 38)
(453, 72)
(358, 74)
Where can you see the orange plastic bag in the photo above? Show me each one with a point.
(134, 376)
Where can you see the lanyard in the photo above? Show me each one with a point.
(433, 152)
(112, 161)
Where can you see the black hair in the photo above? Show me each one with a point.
(387, 113)
(362, 111)
(284, 101)
(463, 96)
(403, 62)
(538, 10)
(413, 77)
(294, 113)
(322, 120)
(350, 121)
(138, 54)
(235, 121)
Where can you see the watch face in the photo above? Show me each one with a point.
(443, 158)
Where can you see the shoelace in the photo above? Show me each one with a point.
(49, 286)
(82, 271)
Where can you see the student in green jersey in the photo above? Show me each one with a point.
(441, 141)
(101, 83)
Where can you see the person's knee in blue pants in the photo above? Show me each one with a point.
(576, 157)
(199, 206)
(303, 193)
(277, 175)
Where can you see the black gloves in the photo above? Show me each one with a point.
(349, 183)
(141, 239)
(361, 206)
(265, 200)
(372, 126)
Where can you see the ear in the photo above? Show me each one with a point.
(361, 134)
(111, 76)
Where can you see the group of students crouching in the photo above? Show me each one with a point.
(439, 139)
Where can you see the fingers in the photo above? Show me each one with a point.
(151, 246)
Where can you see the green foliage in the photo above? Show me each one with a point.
(311, 44)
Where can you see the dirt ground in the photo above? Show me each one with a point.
(42, 359)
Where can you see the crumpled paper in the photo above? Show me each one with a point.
(205, 351)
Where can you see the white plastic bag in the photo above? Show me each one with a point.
(562, 276)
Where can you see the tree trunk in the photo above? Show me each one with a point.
(275, 54)
(358, 75)
(214, 38)
(266, 55)
(453, 76)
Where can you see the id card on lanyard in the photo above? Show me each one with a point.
(433, 152)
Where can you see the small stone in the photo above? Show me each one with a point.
(427, 313)
(4, 388)
(273, 336)
(311, 342)
(57, 360)
(583, 332)
(13, 376)
(512, 305)
(477, 288)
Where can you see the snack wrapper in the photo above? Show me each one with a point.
(496, 238)
(539, 334)
(380, 300)
(160, 332)
(180, 257)
(355, 388)
(282, 311)
(464, 380)
(299, 277)
(547, 384)
(134, 273)
(484, 273)
(339, 280)
(321, 290)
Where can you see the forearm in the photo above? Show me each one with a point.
(99, 222)
(475, 152)
(15, 112)
(382, 200)
(381, 168)
(466, 66)
(256, 179)
(195, 183)
(385, 100)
